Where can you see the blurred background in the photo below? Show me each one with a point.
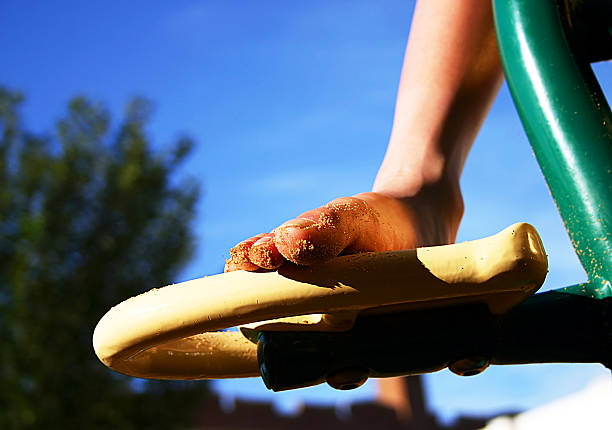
(141, 140)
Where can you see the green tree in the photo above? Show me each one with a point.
(89, 215)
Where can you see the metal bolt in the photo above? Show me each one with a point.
(469, 366)
(348, 378)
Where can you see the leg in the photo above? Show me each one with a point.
(450, 77)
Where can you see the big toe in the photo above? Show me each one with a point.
(323, 233)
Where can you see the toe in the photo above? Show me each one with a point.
(322, 233)
(239, 255)
(264, 254)
(302, 241)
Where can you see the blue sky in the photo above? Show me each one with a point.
(290, 104)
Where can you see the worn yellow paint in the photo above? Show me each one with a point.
(169, 333)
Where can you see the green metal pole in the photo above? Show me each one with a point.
(568, 122)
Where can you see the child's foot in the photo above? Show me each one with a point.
(365, 222)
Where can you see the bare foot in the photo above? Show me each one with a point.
(365, 222)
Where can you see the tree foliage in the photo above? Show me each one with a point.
(89, 215)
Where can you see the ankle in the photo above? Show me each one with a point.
(439, 210)
(437, 206)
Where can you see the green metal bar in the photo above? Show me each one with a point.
(568, 122)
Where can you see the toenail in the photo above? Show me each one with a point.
(301, 223)
(266, 257)
(263, 241)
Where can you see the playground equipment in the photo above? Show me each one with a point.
(461, 306)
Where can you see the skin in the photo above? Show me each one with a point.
(450, 77)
